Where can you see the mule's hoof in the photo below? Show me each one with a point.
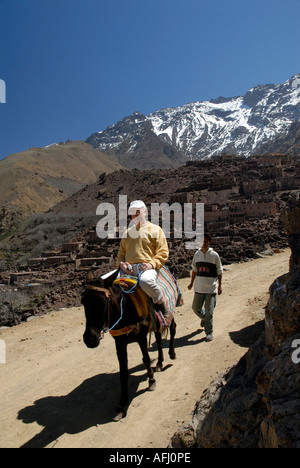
(152, 385)
(158, 367)
(172, 356)
(121, 413)
(119, 416)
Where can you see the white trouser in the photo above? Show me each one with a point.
(148, 283)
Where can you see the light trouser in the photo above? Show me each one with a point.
(209, 301)
(148, 283)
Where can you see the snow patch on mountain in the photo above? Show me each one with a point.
(237, 125)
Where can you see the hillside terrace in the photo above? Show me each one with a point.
(239, 201)
(244, 219)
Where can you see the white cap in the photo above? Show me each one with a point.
(136, 205)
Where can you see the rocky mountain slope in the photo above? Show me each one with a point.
(133, 143)
(35, 180)
(256, 403)
(287, 143)
(217, 181)
(237, 125)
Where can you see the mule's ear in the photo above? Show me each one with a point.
(90, 276)
(108, 278)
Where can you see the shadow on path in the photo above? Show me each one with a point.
(91, 403)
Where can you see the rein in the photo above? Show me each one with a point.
(110, 298)
(135, 286)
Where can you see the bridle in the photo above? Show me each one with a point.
(110, 299)
(106, 291)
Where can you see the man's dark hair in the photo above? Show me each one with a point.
(206, 234)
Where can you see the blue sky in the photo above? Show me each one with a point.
(74, 67)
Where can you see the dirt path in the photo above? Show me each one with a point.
(57, 393)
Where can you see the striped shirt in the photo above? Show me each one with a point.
(207, 266)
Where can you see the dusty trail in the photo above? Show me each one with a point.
(57, 393)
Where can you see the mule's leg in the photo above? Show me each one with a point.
(160, 361)
(172, 353)
(147, 362)
(121, 348)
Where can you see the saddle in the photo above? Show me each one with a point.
(144, 305)
(140, 299)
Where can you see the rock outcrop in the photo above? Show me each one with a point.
(256, 404)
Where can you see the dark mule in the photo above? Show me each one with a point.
(106, 306)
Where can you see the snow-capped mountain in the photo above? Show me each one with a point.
(199, 130)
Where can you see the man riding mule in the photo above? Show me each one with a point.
(143, 252)
(126, 313)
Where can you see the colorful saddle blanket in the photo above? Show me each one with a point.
(144, 305)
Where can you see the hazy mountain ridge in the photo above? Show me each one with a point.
(35, 180)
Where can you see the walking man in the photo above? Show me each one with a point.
(207, 273)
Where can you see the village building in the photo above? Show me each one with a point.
(93, 262)
(18, 278)
(244, 209)
(182, 197)
(72, 246)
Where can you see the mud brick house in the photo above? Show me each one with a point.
(182, 197)
(35, 262)
(287, 183)
(87, 263)
(249, 187)
(20, 277)
(244, 209)
(72, 246)
(265, 197)
(215, 213)
(273, 158)
(45, 262)
(260, 210)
